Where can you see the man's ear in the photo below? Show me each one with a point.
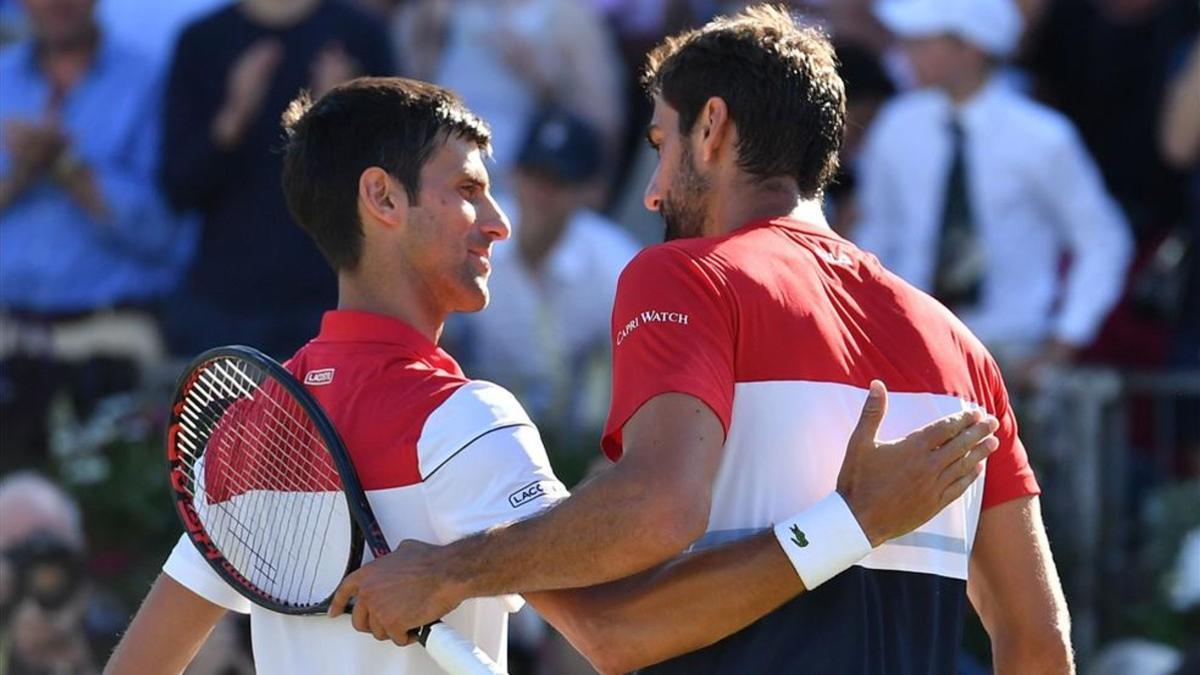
(381, 198)
(713, 126)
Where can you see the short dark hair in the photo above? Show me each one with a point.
(779, 80)
(389, 122)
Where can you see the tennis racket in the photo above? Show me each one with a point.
(268, 494)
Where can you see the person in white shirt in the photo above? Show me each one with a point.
(974, 193)
(545, 335)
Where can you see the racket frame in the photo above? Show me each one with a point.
(364, 528)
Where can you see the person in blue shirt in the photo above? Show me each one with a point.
(88, 245)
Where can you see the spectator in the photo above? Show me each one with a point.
(973, 192)
(258, 278)
(1104, 64)
(553, 287)
(507, 57)
(87, 245)
(43, 590)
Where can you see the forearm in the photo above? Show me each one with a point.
(616, 525)
(632, 623)
(1032, 655)
(170, 627)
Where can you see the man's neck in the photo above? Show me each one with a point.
(278, 13)
(752, 201)
(967, 87)
(359, 294)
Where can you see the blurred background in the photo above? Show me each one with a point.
(141, 221)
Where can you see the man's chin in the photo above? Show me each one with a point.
(476, 300)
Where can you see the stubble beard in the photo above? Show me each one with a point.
(682, 209)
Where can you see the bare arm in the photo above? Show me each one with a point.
(634, 622)
(166, 633)
(1014, 587)
(1179, 136)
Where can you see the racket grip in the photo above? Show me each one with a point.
(454, 653)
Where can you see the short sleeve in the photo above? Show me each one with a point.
(186, 566)
(497, 472)
(672, 332)
(1009, 475)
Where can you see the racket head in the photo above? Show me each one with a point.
(262, 482)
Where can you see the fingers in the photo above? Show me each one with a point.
(873, 411)
(959, 485)
(954, 449)
(361, 618)
(935, 434)
(378, 630)
(348, 589)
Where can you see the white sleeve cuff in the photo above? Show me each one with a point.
(186, 566)
(823, 540)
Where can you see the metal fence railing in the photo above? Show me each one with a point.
(1103, 442)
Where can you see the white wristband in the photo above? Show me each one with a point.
(822, 540)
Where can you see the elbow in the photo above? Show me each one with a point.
(608, 654)
(595, 634)
(675, 521)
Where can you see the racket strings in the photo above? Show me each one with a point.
(262, 479)
(298, 530)
(289, 539)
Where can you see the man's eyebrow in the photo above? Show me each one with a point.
(475, 176)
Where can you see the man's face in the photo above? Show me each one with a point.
(452, 226)
(677, 190)
(544, 204)
(937, 61)
(60, 22)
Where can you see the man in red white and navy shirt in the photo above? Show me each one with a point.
(743, 348)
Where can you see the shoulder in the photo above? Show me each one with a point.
(132, 66)
(13, 55)
(474, 409)
(209, 23)
(1037, 122)
(906, 109)
(696, 257)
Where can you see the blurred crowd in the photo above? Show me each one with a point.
(1037, 168)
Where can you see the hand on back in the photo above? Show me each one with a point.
(894, 487)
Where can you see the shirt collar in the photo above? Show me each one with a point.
(344, 325)
(971, 111)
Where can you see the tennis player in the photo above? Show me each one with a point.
(742, 348)
(387, 175)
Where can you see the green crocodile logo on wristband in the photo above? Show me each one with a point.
(798, 537)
